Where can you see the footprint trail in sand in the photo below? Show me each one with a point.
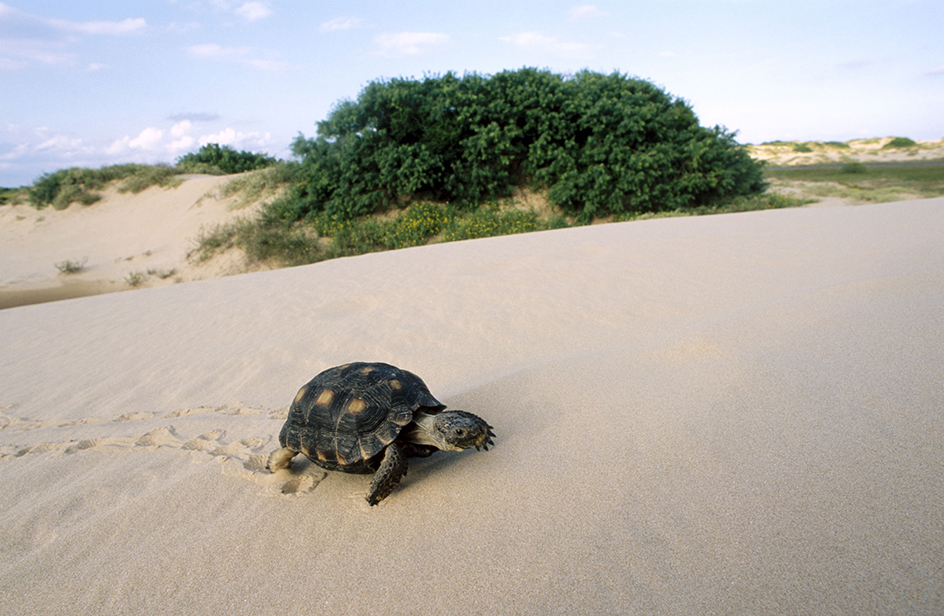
(243, 455)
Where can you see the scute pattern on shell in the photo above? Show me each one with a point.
(345, 416)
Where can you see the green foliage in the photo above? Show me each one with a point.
(489, 222)
(853, 168)
(599, 144)
(63, 187)
(11, 195)
(77, 184)
(220, 160)
(802, 148)
(899, 142)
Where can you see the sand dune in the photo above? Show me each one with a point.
(730, 414)
(149, 234)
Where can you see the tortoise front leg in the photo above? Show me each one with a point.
(391, 470)
(280, 459)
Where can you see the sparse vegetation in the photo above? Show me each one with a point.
(261, 183)
(71, 267)
(150, 175)
(79, 185)
(11, 196)
(134, 279)
(865, 183)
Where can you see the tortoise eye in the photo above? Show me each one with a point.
(460, 432)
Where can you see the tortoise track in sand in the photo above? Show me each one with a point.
(244, 457)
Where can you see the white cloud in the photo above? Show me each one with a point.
(27, 39)
(267, 65)
(125, 26)
(586, 10)
(252, 11)
(181, 128)
(60, 142)
(212, 51)
(91, 68)
(21, 53)
(549, 44)
(341, 23)
(241, 55)
(179, 145)
(6, 64)
(147, 140)
(937, 70)
(409, 43)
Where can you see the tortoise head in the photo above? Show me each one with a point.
(458, 430)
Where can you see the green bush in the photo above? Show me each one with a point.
(802, 148)
(899, 142)
(221, 160)
(599, 144)
(853, 168)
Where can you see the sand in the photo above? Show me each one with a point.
(150, 234)
(736, 414)
(868, 151)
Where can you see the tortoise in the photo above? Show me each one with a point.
(369, 418)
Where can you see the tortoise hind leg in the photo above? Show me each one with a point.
(391, 470)
(280, 459)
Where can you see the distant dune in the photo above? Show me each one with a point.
(878, 150)
(124, 239)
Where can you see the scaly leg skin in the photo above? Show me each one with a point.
(391, 470)
(280, 459)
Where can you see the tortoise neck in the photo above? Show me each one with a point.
(423, 431)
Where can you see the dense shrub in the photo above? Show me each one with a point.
(599, 144)
(215, 159)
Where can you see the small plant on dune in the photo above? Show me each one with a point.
(134, 279)
(71, 267)
(802, 148)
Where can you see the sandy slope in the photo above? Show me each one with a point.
(729, 414)
(116, 237)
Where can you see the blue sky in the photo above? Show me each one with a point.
(103, 82)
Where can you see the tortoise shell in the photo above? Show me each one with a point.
(346, 416)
